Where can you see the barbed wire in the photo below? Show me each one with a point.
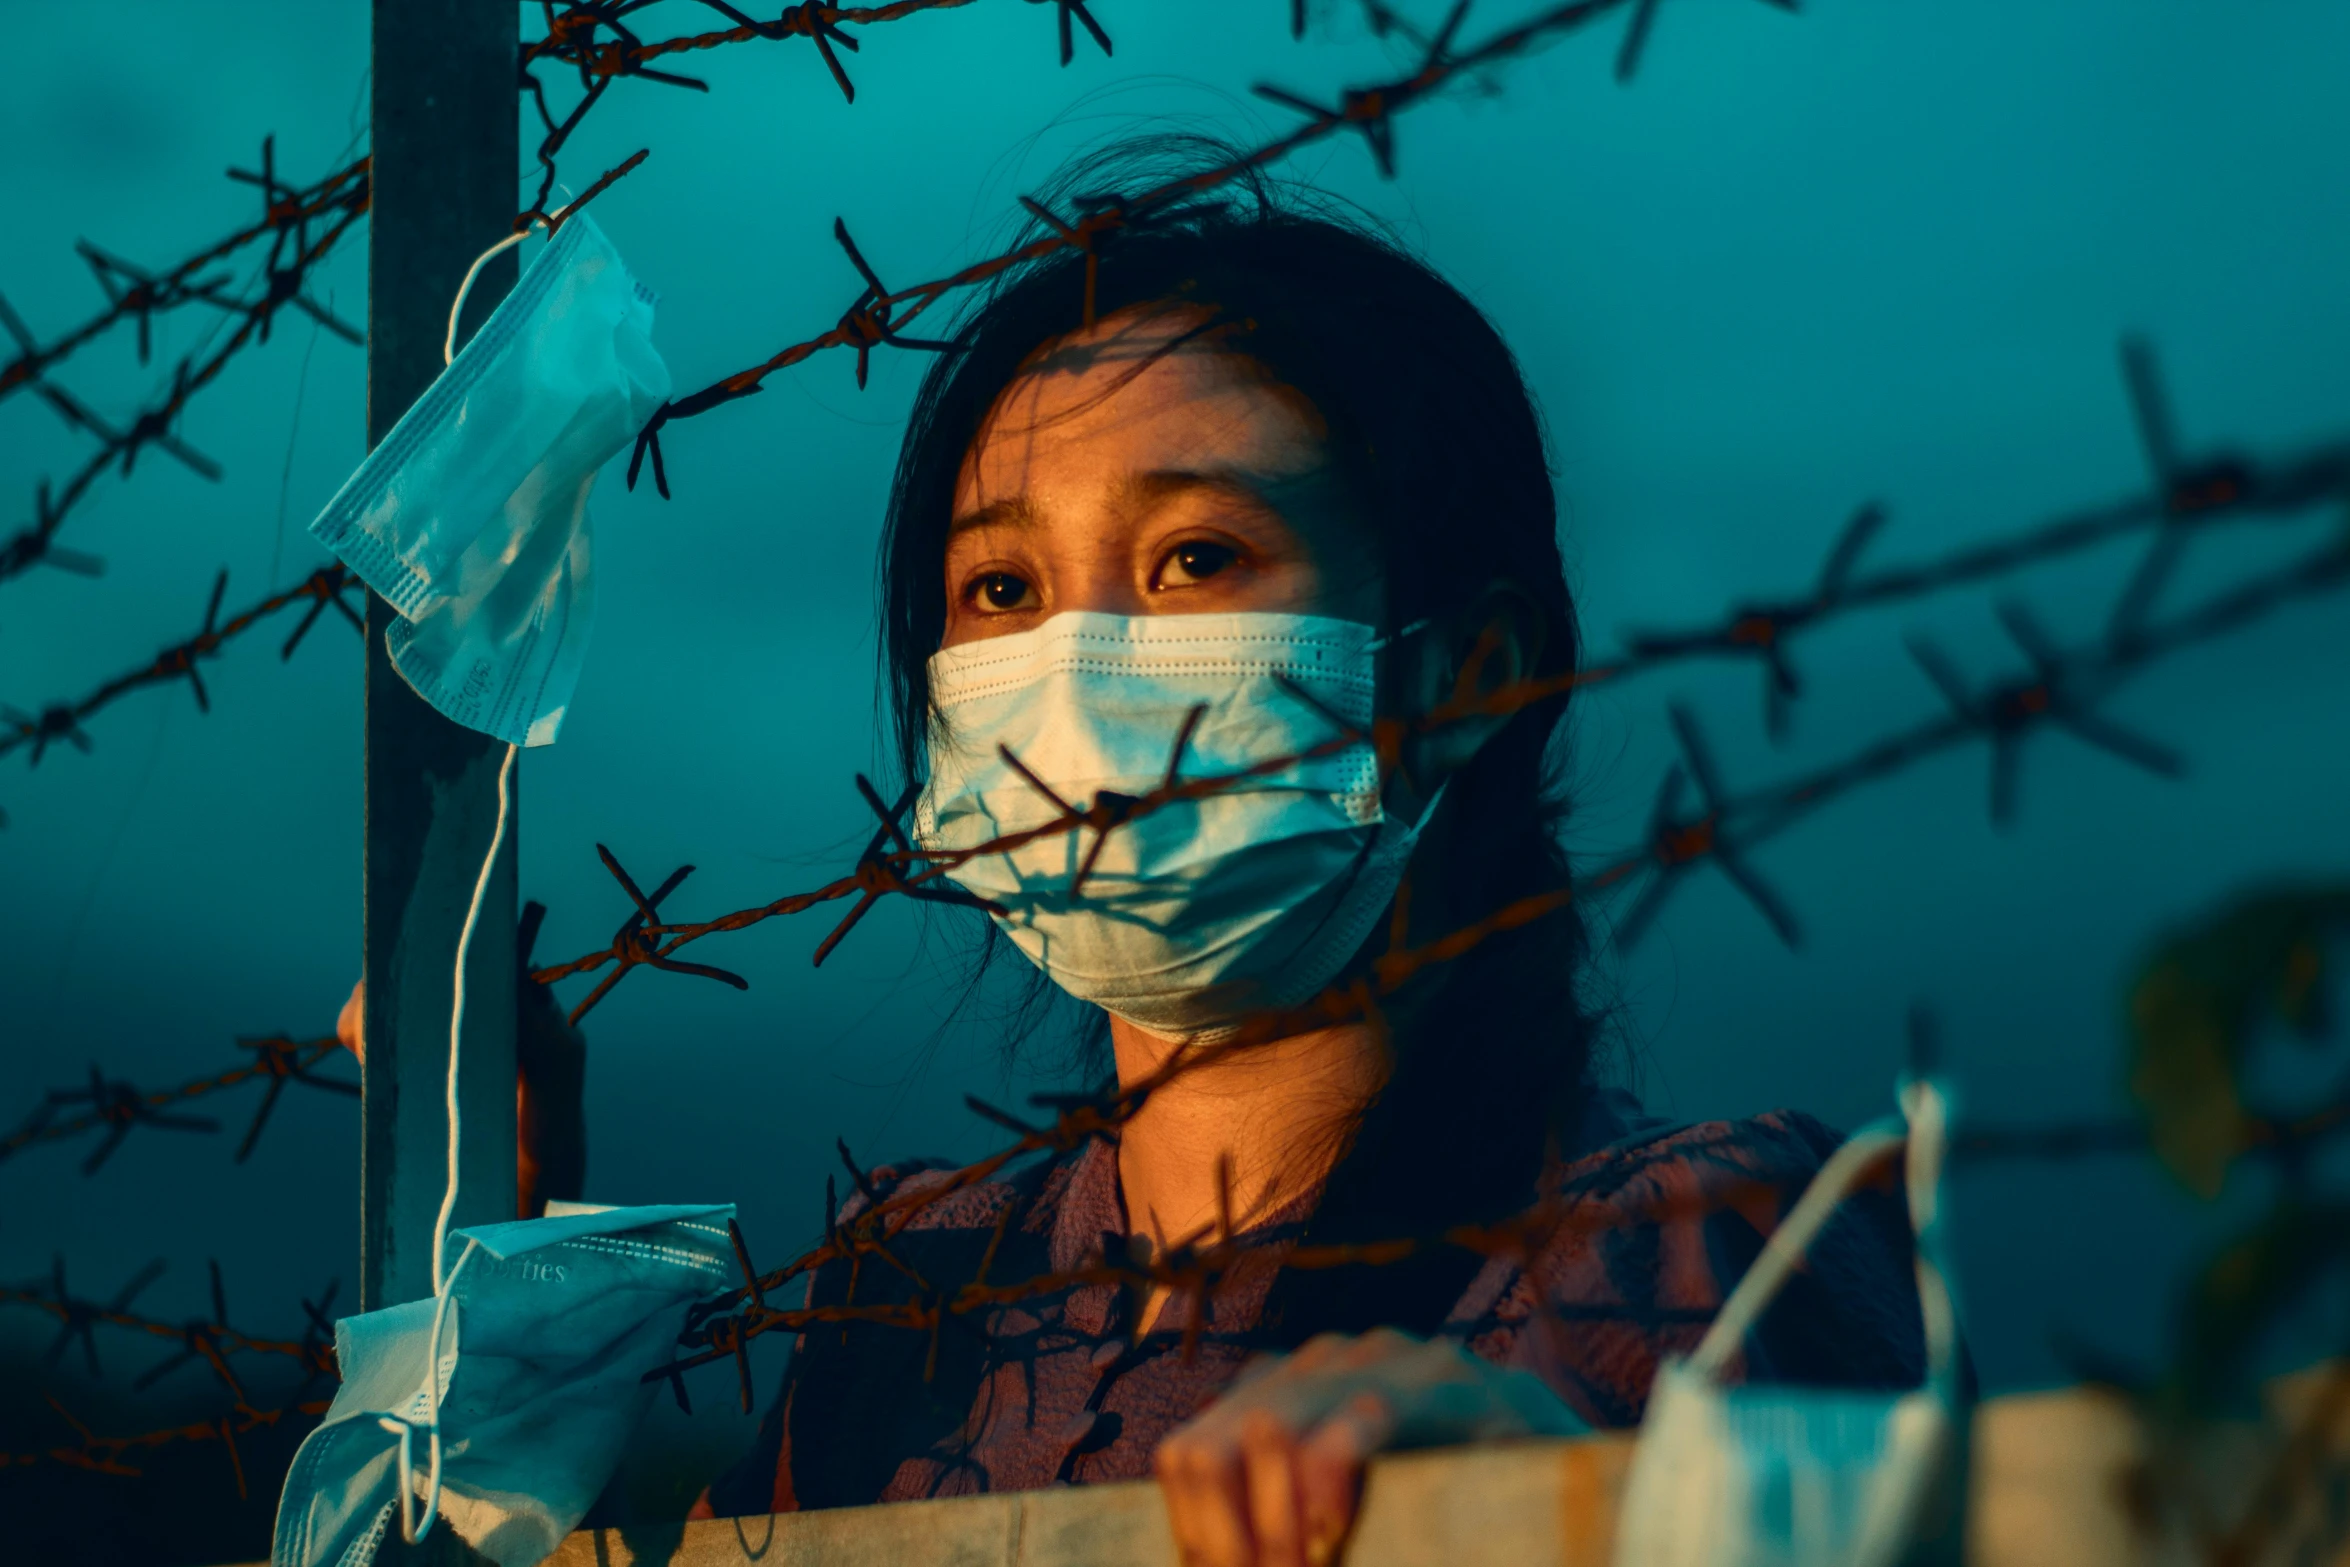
(289, 213)
(572, 38)
(573, 35)
(722, 1327)
(2061, 690)
(116, 1107)
(105, 1454)
(879, 315)
(1677, 842)
(60, 723)
(1762, 630)
(2184, 498)
(210, 1340)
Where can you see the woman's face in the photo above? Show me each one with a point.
(1120, 476)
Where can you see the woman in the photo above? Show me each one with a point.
(1287, 478)
(1276, 423)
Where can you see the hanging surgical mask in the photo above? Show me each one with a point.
(470, 518)
(504, 1402)
(1772, 1476)
(1193, 916)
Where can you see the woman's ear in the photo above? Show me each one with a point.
(1496, 641)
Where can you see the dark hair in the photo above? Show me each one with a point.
(1439, 443)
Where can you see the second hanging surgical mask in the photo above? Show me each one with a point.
(470, 518)
(1773, 1476)
(1200, 913)
(502, 1404)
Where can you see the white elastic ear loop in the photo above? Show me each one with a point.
(457, 305)
(414, 1526)
(405, 1430)
(1928, 1110)
(1860, 1153)
(481, 887)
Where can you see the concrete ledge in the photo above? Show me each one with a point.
(2062, 1479)
(1517, 1503)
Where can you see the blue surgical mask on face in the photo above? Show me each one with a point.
(470, 518)
(502, 1403)
(1772, 1476)
(1194, 916)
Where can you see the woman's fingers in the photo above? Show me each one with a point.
(1268, 1453)
(1237, 1485)
(1200, 1475)
(1271, 1475)
(1330, 1471)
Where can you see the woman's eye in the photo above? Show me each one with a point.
(999, 591)
(1195, 562)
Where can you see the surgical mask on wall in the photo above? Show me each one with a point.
(1198, 914)
(1774, 1476)
(470, 518)
(501, 1404)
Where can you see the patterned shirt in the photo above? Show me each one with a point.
(1056, 1389)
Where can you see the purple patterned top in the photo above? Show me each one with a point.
(1056, 1390)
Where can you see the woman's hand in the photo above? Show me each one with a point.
(351, 1023)
(1269, 1475)
(550, 1117)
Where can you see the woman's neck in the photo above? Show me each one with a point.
(1274, 1116)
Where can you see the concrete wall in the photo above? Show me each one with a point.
(2066, 1479)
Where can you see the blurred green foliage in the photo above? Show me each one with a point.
(2199, 1012)
(2196, 1014)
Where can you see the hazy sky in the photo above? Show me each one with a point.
(1877, 252)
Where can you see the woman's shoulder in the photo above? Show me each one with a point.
(1639, 1241)
(925, 1194)
(1650, 1161)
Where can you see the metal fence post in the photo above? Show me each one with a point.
(446, 149)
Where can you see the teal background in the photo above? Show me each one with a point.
(1878, 252)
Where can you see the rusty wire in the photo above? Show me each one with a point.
(879, 315)
(2060, 689)
(60, 723)
(289, 214)
(116, 1108)
(209, 1339)
(1191, 1266)
(723, 1327)
(574, 36)
(106, 1454)
(2226, 491)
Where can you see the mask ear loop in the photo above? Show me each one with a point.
(481, 887)
(1928, 1110)
(1927, 1117)
(412, 1527)
(1860, 1153)
(457, 305)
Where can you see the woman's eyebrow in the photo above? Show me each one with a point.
(1142, 491)
(1013, 511)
